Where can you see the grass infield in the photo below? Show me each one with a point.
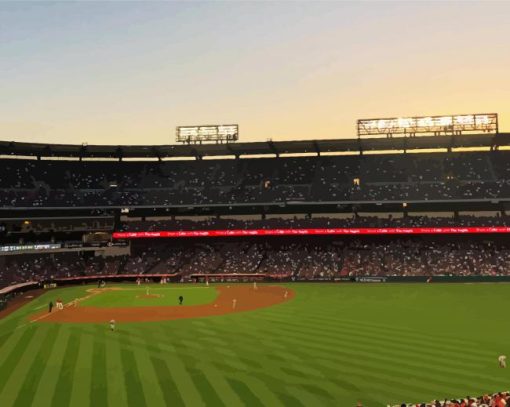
(151, 295)
(332, 345)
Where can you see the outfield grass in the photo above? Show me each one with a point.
(330, 346)
(133, 296)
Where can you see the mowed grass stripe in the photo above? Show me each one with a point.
(150, 385)
(444, 343)
(194, 342)
(289, 400)
(282, 335)
(321, 315)
(218, 381)
(325, 390)
(13, 354)
(355, 341)
(117, 394)
(170, 391)
(80, 393)
(244, 359)
(423, 342)
(372, 379)
(417, 353)
(272, 350)
(51, 372)
(167, 390)
(343, 354)
(297, 345)
(205, 388)
(378, 355)
(302, 376)
(244, 393)
(134, 389)
(98, 380)
(307, 398)
(177, 366)
(234, 363)
(5, 334)
(62, 394)
(332, 388)
(33, 376)
(347, 343)
(243, 350)
(260, 389)
(17, 369)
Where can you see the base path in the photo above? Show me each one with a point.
(247, 299)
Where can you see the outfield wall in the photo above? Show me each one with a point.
(419, 279)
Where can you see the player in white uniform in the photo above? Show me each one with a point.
(502, 361)
(254, 285)
(234, 303)
(285, 294)
(112, 325)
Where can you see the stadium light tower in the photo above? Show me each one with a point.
(431, 125)
(219, 133)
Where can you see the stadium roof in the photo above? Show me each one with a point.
(255, 148)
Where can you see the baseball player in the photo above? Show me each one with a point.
(234, 303)
(502, 361)
(112, 325)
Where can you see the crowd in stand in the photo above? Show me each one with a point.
(40, 267)
(293, 258)
(331, 178)
(500, 399)
(315, 222)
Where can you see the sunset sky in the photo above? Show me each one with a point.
(129, 73)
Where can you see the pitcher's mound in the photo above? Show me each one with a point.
(150, 296)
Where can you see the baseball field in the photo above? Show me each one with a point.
(322, 345)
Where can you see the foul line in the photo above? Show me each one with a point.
(93, 291)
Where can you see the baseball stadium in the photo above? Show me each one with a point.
(261, 204)
(293, 281)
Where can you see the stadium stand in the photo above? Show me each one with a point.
(315, 259)
(487, 400)
(94, 189)
(391, 177)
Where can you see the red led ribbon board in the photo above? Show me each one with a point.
(309, 232)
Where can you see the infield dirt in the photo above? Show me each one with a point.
(247, 299)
